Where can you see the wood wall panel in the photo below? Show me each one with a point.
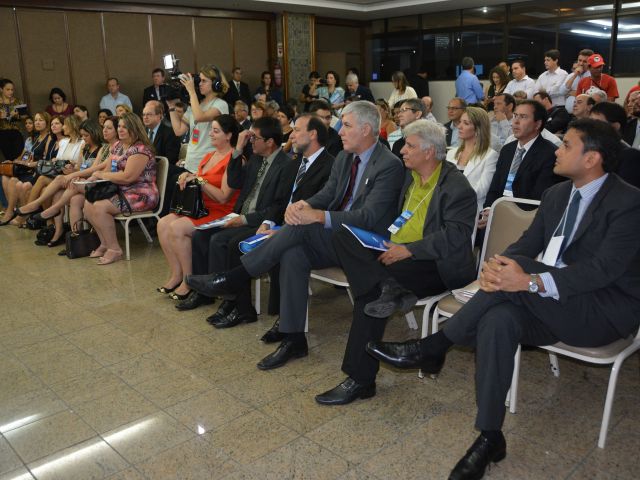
(213, 43)
(129, 53)
(87, 59)
(10, 65)
(172, 34)
(45, 55)
(334, 38)
(252, 49)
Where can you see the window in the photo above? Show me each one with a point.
(627, 53)
(484, 47)
(483, 15)
(529, 44)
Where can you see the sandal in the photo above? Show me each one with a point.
(110, 256)
(98, 252)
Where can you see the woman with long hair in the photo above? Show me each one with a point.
(59, 106)
(387, 125)
(175, 231)
(135, 176)
(498, 81)
(401, 89)
(332, 92)
(285, 116)
(267, 91)
(197, 119)
(474, 157)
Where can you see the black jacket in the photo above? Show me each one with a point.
(534, 175)
(233, 95)
(629, 165)
(557, 119)
(149, 93)
(629, 133)
(166, 144)
(334, 142)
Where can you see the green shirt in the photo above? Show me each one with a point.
(413, 201)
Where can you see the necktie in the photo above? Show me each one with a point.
(151, 136)
(301, 171)
(572, 214)
(247, 203)
(352, 181)
(517, 160)
(238, 86)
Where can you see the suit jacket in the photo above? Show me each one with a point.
(246, 125)
(629, 133)
(311, 183)
(334, 142)
(603, 259)
(244, 177)
(448, 226)
(166, 144)
(629, 165)
(361, 93)
(534, 175)
(397, 146)
(149, 93)
(557, 120)
(374, 201)
(233, 94)
(448, 133)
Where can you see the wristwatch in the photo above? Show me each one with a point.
(533, 283)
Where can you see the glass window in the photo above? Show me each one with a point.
(627, 54)
(441, 19)
(529, 44)
(402, 24)
(484, 47)
(594, 34)
(440, 51)
(544, 10)
(483, 15)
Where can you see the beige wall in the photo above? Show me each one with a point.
(78, 50)
(339, 48)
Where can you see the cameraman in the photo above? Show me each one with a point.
(198, 117)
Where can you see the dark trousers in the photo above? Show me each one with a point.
(298, 250)
(365, 273)
(11, 144)
(495, 323)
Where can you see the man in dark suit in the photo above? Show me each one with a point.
(585, 294)
(430, 253)
(355, 91)
(411, 110)
(165, 144)
(631, 133)
(455, 109)
(323, 110)
(557, 115)
(629, 158)
(525, 166)
(238, 90)
(362, 189)
(260, 183)
(241, 114)
(300, 180)
(158, 90)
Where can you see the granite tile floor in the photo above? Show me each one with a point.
(102, 378)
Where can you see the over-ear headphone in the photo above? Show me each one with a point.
(217, 84)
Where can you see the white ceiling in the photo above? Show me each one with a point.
(351, 9)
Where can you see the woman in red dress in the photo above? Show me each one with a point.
(175, 231)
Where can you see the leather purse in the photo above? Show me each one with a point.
(104, 191)
(10, 169)
(188, 202)
(81, 242)
(51, 168)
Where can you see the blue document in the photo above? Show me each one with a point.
(250, 243)
(368, 239)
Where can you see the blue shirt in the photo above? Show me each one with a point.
(468, 87)
(364, 161)
(587, 192)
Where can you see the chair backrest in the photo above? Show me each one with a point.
(183, 151)
(162, 170)
(507, 222)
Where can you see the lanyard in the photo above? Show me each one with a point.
(423, 198)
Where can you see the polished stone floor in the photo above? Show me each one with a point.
(102, 378)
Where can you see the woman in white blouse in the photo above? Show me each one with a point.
(401, 89)
(474, 156)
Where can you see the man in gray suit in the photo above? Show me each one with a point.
(362, 190)
(586, 293)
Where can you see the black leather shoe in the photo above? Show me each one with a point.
(478, 457)
(287, 350)
(347, 392)
(225, 308)
(273, 335)
(394, 298)
(213, 285)
(194, 300)
(406, 355)
(236, 318)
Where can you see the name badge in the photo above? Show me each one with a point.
(399, 222)
(508, 188)
(195, 136)
(552, 251)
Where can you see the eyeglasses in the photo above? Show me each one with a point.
(255, 137)
(406, 109)
(520, 116)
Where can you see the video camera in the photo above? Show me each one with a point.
(176, 90)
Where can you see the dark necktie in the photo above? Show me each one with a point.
(151, 136)
(517, 160)
(572, 214)
(352, 182)
(301, 171)
(246, 204)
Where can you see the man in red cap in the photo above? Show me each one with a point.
(598, 80)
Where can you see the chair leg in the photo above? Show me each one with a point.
(512, 395)
(144, 230)
(256, 304)
(126, 238)
(553, 364)
(350, 295)
(306, 322)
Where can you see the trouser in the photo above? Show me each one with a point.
(495, 323)
(298, 250)
(364, 273)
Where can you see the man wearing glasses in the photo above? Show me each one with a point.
(410, 111)
(323, 110)
(455, 109)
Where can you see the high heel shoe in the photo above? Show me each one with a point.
(110, 256)
(19, 213)
(38, 216)
(59, 241)
(13, 215)
(168, 290)
(178, 297)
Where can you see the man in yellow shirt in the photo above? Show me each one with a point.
(429, 252)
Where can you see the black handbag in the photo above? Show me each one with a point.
(103, 191)
(188, 202)
(11, 169)
(81, 242)
(51, 168)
